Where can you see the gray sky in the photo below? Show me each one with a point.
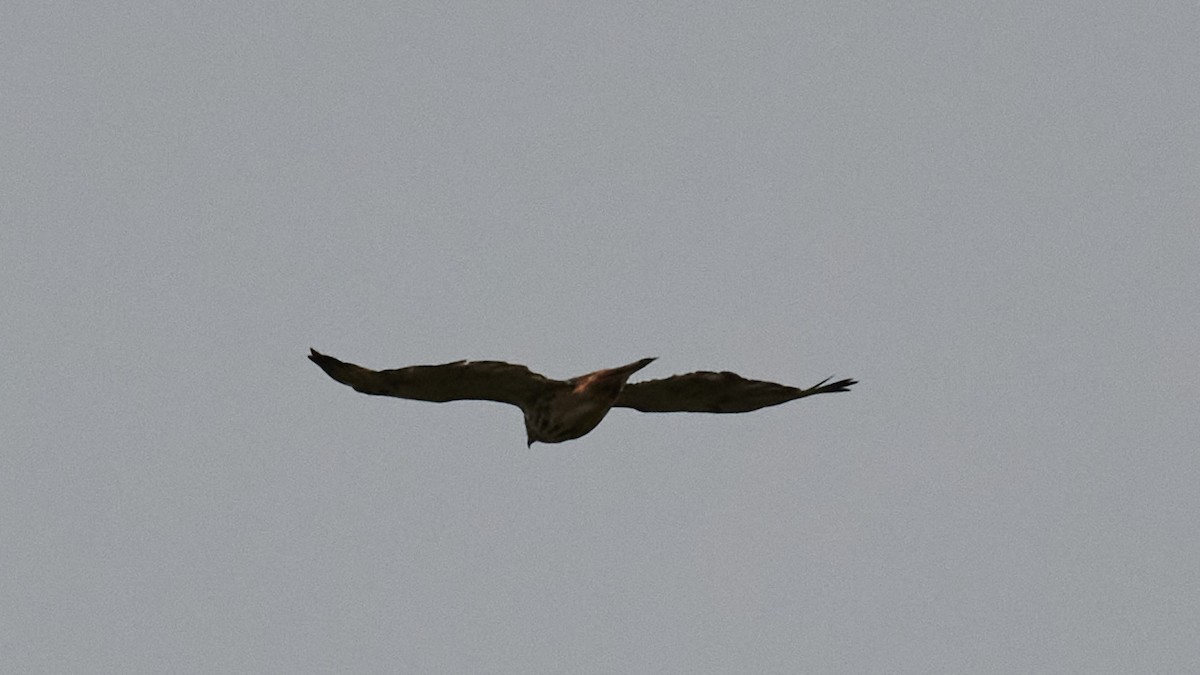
(987, 214)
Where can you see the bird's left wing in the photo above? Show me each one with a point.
(715, 393)
(460, 380)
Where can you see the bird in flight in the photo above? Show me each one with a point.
(562, 410)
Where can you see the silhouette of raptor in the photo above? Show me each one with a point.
(562, 410)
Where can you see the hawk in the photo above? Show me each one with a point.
(562, 410)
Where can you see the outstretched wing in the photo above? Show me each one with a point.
(715, 393)
(460, 380)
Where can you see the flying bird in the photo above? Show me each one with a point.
(562, 410)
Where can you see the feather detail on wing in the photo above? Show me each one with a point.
(460, 380)
(715, 393)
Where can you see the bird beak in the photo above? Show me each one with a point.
(626, 371)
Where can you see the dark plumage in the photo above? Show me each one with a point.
(561, 410)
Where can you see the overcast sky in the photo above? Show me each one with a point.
(986, 213)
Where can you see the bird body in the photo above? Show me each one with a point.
(566, 413)
(562, 410)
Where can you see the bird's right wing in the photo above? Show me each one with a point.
(460, 380)
(715, 393)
